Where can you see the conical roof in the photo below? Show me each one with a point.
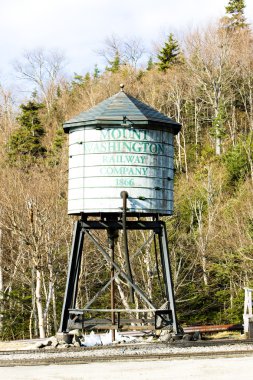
(124, 110)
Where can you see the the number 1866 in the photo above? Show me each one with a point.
(124, 182)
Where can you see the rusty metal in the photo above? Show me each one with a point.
(213, 328)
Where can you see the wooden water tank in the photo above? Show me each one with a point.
(121, 144)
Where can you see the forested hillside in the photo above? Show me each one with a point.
(205, 83)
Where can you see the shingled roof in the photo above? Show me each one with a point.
(122, 109)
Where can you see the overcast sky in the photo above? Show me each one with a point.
(79, 27)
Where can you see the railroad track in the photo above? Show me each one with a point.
(87, 360)
(138, 352)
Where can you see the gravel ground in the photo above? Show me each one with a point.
(122, 351)
(25, 366)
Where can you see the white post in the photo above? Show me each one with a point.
(247, 314)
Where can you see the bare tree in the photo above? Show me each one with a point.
(7, 114)
(33, 215)
(244, 80)
(210, 62)
(42, 69)
(129, 51)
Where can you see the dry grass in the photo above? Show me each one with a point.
(226, 335)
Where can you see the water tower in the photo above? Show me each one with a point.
(121, 178)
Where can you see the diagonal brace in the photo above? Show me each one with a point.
(117, 273)
(121, 272)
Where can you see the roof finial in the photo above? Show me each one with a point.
(122, 86)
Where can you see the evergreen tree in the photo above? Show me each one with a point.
(80, 80)
(169, 54)
(96, 72)
(87, 77)
(150, 64)
(235, 12)
(114, 64)
(25, 144)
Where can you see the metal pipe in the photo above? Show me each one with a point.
(124, 196)
(111, 238)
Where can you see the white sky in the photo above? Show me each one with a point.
(79, 27)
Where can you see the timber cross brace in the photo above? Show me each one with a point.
(71, 317)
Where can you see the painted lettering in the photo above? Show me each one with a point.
(126, 134)
(124, 171)
(124, 147)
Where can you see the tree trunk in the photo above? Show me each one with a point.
(54, 310)
(179, 155)
(48, 296)
(200, 239)
(185, 157)
(197, 129)
(217, 95)
(148, 265)
(39, 304)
